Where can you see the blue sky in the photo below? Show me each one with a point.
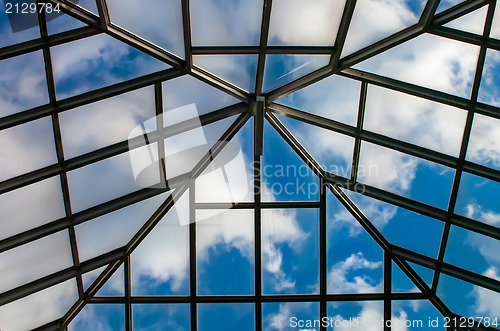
(290, 237)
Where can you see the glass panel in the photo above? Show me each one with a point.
(225, 252)
(405, 175)
(39, 308)
(35, 260)
(30, 207)
(99, 235)
(60, 22)
(160, 265)
(332, 150)
(399, 226)
(105, 180)
(415, 120)
(115, 286)
(354, 258)
(424, 273)
(231, 173)
(285, 177)
(335, 97)
(470, 300)
(281, 69)
(430, 61)
(157, 21)
(205, 97)
(484, 143)
(305, 23)
(373, 20)
(290, 251)
(289, 316)
(99, 317)
(489, 90)
(472, 22)
(173, 317)
(240, 70)
(226, 316)
(105, 122)
(478, 199)
(22, 83)
(362, 315)
(400, 281)
(19, 30)
(26, 147)
(472, 251)
(416, 315)
(225, 23)
(447, 4)
(495, 27)
(89, 277)
(98, 61)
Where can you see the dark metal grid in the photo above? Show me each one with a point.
(98, 24)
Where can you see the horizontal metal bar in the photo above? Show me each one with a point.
(264, 205)
(461, 9)
(220, 50)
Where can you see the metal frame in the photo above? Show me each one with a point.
(261, 107)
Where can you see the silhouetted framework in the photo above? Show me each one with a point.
(262, 108)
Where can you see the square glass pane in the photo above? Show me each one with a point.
(39, 308)
(226, 316)
(35, 260)
(290, 316)
(405, 175)
(361, 315)
(172, 316)
(96, 125)
(478, 199)
(99, 317)
(157, 21)
(61, 22)
(225, 251)
(160, 265)
(30, 207)
(290, 251)
(18, 30)
(305, 23)
(414, 120)
(484, 143)
(95, 62)
(489, 90)
(22, 83)
(225, 23)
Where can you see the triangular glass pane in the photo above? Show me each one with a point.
(495, 26)
(19, 73)
(115, 286)
(354, 258)
(98, 61)
(438, 63)
(489, 90)
(416, 315)
(282, 69)
(159, 22)
(88, 278)
(472, 22)
(447, 4)
(205, 97)
(405, 175)
(302, 23)
(402, 227)
(99, 236)
(99, 317)
(366, 26)
(90, 5)
(424, 273)
(285, 177)
(484, 143)
(239, 69)
(332, 150)
(225, 23)
(229, 178)
(61, 22)
(160, 265)
(39, 308)
(415, 120)
(334, 97)
(400, 281)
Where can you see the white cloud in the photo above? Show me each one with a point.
(479, 213)
(487, 301)
(484, 144)
(338, 281)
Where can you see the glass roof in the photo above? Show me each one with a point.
(249, 165)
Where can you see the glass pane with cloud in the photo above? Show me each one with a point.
(361, 315)
(416, 315)
(99, 317)
(289, 316)
(290, 251)
(61, 22)
(9, 33)
(225, 252)
(489, 90)
(115, 286)
(472, 22)
(484, 142)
